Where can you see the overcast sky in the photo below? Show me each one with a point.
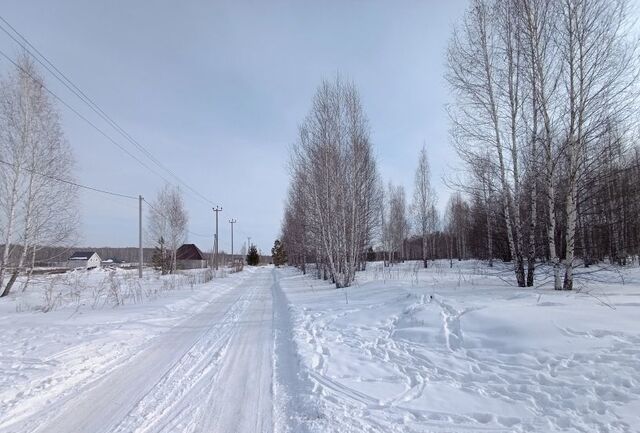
(216, 90)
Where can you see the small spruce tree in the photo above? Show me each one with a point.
(253, 258)
(278, 253)
(371, 255)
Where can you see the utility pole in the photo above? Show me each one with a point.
(232, 222)
(248, 243)
(215, 252)
(140, 255)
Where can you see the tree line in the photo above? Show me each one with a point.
(545, 98)
(544, 119)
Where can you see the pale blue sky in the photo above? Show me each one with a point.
(216, 90)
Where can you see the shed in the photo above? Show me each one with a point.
(189, 256)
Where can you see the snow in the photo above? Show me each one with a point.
(84, 369)
(460, 350)
(404, 350)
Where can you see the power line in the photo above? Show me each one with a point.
(166, 218)
(77, 113)
(57, 179)
(60, 76)
(91, 188)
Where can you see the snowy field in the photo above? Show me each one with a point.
(404, 350)
(459, 350)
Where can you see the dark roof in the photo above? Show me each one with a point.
(189, 252)
(82, 255)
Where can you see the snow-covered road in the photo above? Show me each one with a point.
(210, 373)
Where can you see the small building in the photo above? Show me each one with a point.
(189, 256)
(84, 259)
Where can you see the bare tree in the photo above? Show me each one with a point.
(397, 224)
(600, 69)
(424, 198)
(36, 183)
(334, 174)
(485, 75)
(536, 83)
(168, 220)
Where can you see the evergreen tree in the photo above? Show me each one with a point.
(278, 253)
(371, 255)
(161, 259)
(253, 258)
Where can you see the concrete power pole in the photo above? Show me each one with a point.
(232, 222)
(215, 252)
(140, 252)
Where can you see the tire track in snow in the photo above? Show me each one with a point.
(187, 379)
(82, 368)
(162, 385)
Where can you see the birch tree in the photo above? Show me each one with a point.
(397, 222)
(36, 183)
(334, 171)
(168, 220)
(424, 199)
(600, 69)
(535, 83)
(484, 73)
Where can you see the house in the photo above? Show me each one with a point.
(84, 259)
(189, 256)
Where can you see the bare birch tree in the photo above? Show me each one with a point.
(535, 83)
(396, 222)
(484, 73)
(334, 171)
(424, 199)
(38, 197)
(168, 219)
(600, 69)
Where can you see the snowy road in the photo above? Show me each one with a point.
(211, 373)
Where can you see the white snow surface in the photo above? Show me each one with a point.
(459, 350)
(191, 360)
(405, 349)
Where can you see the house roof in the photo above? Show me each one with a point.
(189, 252)
(82, 255)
